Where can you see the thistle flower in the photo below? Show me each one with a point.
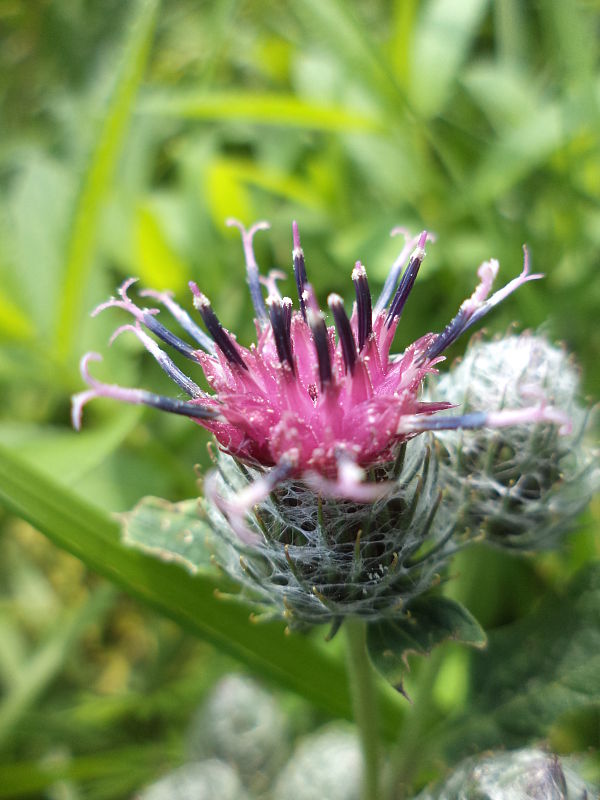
(521, 487)
(301, 420)
(296, 403)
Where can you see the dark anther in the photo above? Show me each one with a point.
(448, 336)
(407, 281)
(299, 268)
(280, 316)
(287, 316)
(321, 340)
(158, 329)
(342, 323)
(222, 339)
(475, 419)
(363, 304)
(175, 406)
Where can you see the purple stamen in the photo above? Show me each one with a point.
(299, 268)
(476, 419)
(287, 316)
(279, 314)
(169, 338)
(357, 421)
(480, 419)
(252, 271)
(396, 268)
(147, 317)
(342, 323)
(407, 281)
(182, 317)
(478, 305)
(270, 282)
(133, 396)
(316, 322)
(222, 339)
(163, 360)
(363, 304)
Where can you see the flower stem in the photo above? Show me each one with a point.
(411, 748)
(364, 699)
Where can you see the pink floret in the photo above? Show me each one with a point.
(268, 410)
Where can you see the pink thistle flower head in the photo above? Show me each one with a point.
(302, 402)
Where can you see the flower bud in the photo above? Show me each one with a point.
(242, 724)
(520, 486)
(518, 775)
(327, 764)
(204, 780)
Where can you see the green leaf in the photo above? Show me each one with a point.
(572, 36)
(263, 109)
(506, 96)
(534, 670)
(171, 531)
(523, 148)
(443, 38)
(295, 662)
(62, 452)
(159, 264)
(227, 179)
(510, 32)
(428, 621)
(139, 764)
(14, 324)
(40, 200)
(341, 28)
(100, 170)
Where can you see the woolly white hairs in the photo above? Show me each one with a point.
(314, 559)
(522, 487)
(519, 775)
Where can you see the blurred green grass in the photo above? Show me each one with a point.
(130, 131)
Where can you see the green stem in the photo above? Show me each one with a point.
(364, 699)
(410, 749)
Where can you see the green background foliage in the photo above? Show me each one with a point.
(130, 132)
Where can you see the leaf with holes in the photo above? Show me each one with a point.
(172, 532)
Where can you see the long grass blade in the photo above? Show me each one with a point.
(97, 179)
(263, 109)
(294, 662)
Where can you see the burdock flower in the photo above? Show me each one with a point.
(311, 430)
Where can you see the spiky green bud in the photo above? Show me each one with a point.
(521, 486)
(242, 724)
(204, 780)
(519, 775)
(327, 764)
